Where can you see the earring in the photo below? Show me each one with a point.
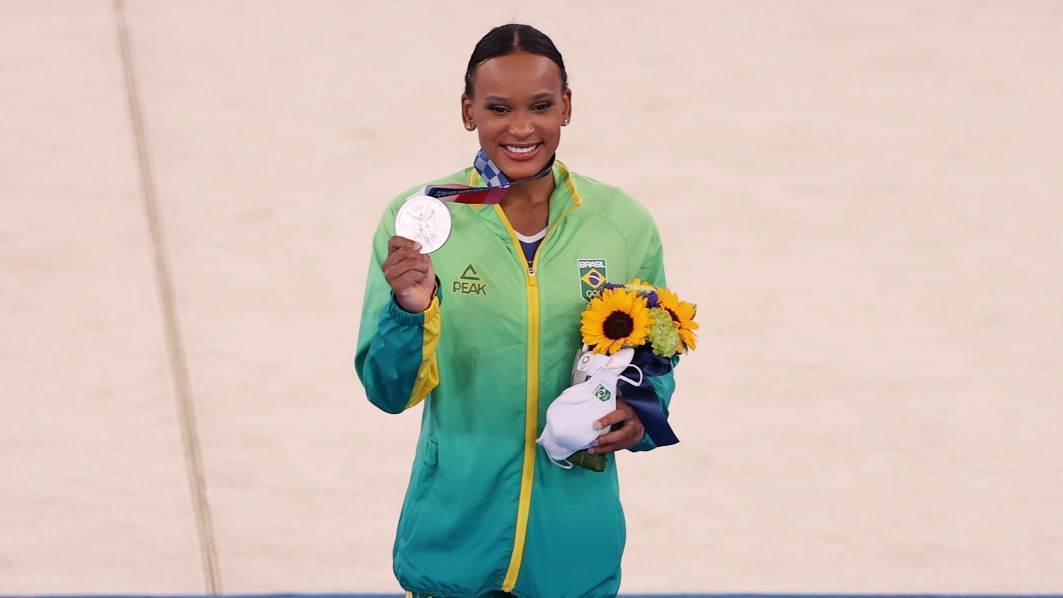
(564, 123)
(469, 126)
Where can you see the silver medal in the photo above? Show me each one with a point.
(425, 220)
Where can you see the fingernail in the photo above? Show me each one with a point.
(416, 245)
(597, 425)
(591, 451)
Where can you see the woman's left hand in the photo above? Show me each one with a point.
(627, 433)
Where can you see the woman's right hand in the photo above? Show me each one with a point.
(410, 274)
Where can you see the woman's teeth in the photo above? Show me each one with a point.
(521, 150)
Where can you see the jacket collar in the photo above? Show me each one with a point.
(565, 194)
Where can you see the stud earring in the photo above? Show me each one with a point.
(564, 123)
(469, 126)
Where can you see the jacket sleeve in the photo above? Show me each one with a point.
(396, 354)
(652, 271)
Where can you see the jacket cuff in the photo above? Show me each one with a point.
(646, 444)
(409, 318)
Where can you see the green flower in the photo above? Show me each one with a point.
(639, 286)
(663, 335)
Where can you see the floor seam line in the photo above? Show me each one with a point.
(175, 348)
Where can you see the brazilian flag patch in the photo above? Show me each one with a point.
(592, 277)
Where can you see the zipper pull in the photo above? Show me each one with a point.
(531, 271)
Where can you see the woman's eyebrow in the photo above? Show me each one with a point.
(544, 95)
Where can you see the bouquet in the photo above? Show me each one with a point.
(634, 326)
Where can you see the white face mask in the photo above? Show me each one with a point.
(570, 418)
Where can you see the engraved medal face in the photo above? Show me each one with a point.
(425, 220)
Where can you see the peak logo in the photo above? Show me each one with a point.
(469, 283)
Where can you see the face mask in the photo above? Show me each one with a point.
(570, 418)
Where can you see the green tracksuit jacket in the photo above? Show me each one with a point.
(485, 509)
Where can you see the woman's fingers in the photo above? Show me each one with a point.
(626, 438)
(408, 279)
(618, 439)
(628, 434)
(399, 269)
(402, 254)
(402, 259)
(410, 274)
(614, 417)
(396, 242)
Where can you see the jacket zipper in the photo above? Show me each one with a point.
(531, 418)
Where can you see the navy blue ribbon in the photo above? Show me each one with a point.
(643, 398)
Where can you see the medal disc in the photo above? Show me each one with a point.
(425, 220)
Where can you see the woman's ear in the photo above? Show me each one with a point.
(566, 109)
(467, 119)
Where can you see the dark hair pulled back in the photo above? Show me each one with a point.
(510, 38)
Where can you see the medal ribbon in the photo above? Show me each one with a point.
(497, 183)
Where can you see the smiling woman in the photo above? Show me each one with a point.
(484, 332)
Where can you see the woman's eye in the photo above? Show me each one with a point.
(497, 109)
(542, 106)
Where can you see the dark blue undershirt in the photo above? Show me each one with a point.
(529, 250)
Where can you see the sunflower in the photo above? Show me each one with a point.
(682, 316)
(614, 319)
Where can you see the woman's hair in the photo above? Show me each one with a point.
(507, 39)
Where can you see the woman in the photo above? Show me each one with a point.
(484, 331)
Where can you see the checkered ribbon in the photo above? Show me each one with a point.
(487, 170)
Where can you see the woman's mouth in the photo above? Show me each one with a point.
(524, 151)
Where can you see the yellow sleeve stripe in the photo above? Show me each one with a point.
(428, 374)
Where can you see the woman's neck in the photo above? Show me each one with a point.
(527, 206)
(530, 194)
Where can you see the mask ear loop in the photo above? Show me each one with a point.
(563, 464)
(629, 380)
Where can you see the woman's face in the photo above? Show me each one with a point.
(518, 106)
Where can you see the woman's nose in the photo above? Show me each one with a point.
(521, 127)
